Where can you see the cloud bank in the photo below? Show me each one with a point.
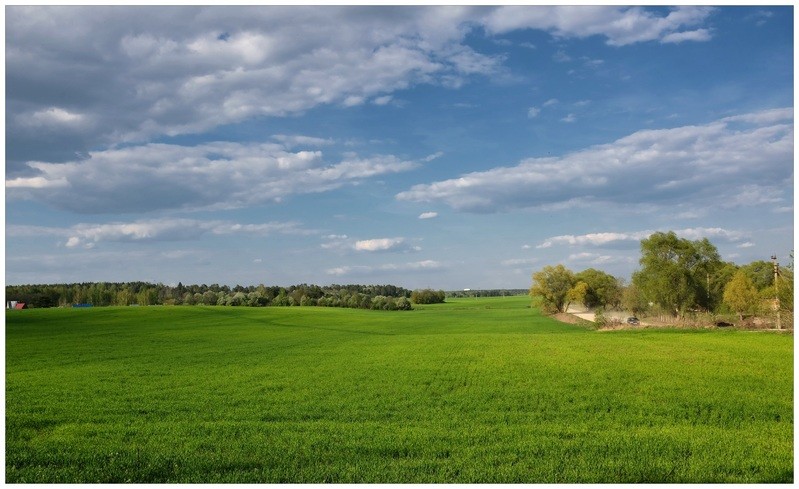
(86, 77)
(614, 240)
(154, 230)
(734, 161)
(213, 175)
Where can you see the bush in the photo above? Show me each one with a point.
(427, 296)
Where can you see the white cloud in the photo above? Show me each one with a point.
(434, 156)
(210, 175)
(346, 244)
(384, 244)
(620, 25)
(697, 35)
(292, 141)
(52, 116)
(569, 118)
(428, 215)
(36, 182)
(714, 233)
(418, 266)
(593, 239)
(551, 102)
(149, 230)
(533, 112)
(384, 100)
(727, 163)
(614, 239)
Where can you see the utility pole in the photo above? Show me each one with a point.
(777, 288)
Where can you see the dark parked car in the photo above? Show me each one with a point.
(633, 320)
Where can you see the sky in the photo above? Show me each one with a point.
(447, 147)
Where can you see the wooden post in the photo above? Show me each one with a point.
(777, 288)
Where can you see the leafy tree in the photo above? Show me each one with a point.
(577, 294)
(761, 273)
(705, 263)
(676, 272)
(784, 290)
(718, 281)
(741, 295)
(632, 300)
(552, 284)
(602, 289)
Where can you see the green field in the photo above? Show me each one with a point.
(474, 390)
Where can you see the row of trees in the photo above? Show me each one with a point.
(677, 275)
(558, 287)
(383, 297)
(486, 292)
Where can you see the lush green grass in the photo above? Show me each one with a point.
(474, 390)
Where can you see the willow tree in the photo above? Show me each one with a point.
(676, 273)
(553, 284)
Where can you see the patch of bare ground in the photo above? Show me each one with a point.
(571, 319)
(753, 324)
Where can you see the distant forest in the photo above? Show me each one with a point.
(380, 297)
(487, 292)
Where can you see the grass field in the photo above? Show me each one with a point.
(474, 390)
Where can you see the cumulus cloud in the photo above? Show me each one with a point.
(742, 161)
(344, 243)
(428, 215)
(381, 244)
(211, 175)
(138, 76)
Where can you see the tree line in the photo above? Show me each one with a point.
(676, 275)
(486, 292)
(378, 297)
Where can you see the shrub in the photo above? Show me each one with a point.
(427, 296)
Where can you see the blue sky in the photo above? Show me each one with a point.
(446, 147)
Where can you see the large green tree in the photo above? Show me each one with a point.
(553, 284)
(676, 273)
(602, 289)
(741, 295)
(633, 300)
(761, 273)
